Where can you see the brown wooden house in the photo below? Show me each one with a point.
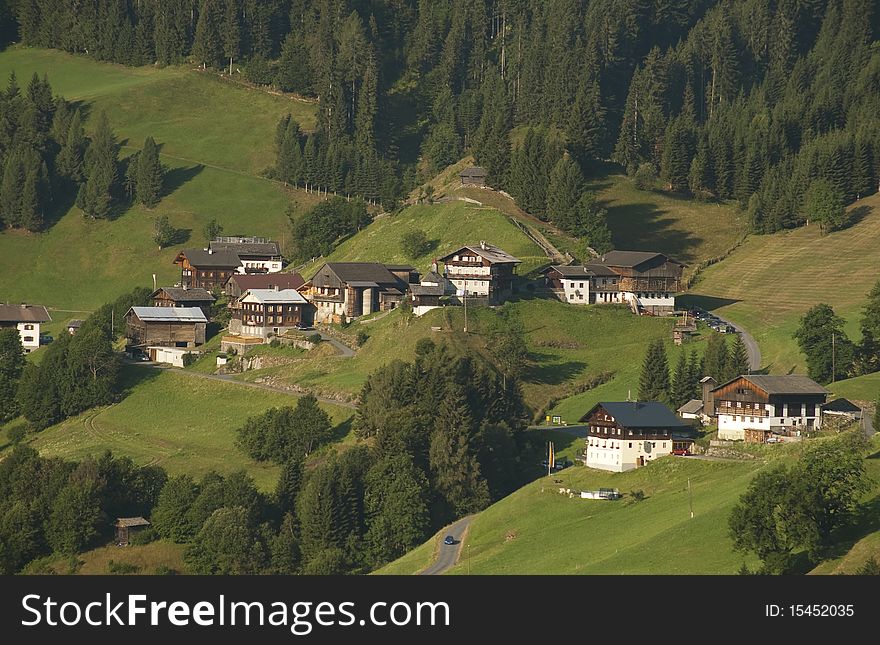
(269, 312)
(239, 283)
(165, 326)
(126, 527)
(481, 271)
(206, 269)
(340, 291)
(183, 297)
(473, 176)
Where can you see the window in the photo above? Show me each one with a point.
(811, 410)
(581, 285)
(571, 296)
(28, 327)
(630, 444)
(28, 339)
(653, 444)
(781, 421)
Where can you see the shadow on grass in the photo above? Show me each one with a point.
(643, 226)
(856, 215)
(709, 303)
(132, 376)
(864, 522)
(180, 236)
(341, 431)
(546, 373)
(177, 177)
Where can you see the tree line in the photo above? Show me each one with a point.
(46, 156)
(77, 372)
(721, 360)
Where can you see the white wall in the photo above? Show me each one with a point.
(271, 266)
(32, 334)
(619, 455)
(576, 291)
(474, 287)
(171, 355)
(655, 299)
(421, 310)
(733, 426)
(453, 269)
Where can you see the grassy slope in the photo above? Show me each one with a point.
(860, 388)
(146, 557)
(185, 424)
(688, 230)
(538, 531)
(448, 225)
(770, 281)
(214, 157)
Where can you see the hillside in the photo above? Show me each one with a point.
(770, 281)
(561, 340)
(215, 157)
(197, 434)
(538, 531)
(447, 225)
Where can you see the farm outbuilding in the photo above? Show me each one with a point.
(473, 176)
(127, 526)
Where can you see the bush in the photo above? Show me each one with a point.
(122, 568)
(416, 244)
(275, 343)
(645, 177)
(189, 358)
(637, 495)
(362, 337)
(16, 434)
(314, 339)
(145, 536)
(163, 570)
(258, 71)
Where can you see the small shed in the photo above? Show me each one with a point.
(843, 408)
(473, 176)
(126, 526)
(73, 326)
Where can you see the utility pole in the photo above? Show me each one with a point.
(690, 499)
(469, 559)
(465, 306)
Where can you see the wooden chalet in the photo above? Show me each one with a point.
(183, 297)
(624, 435)
(269, 312)
(165, 326)
(126, 527)
(205, 269)
(341, 291)
(473, 176)
(482, 272)
(762, 404)
(239, 283)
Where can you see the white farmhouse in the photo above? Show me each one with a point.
(624, 435)
(27, 319)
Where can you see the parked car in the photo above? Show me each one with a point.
(681, 452)
(448, 540)
(45, 339)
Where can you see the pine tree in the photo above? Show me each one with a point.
(695, 375)
(289, 485)
(586, 129)
(738, 360)
(654, 381)
(716, 358)
(206, 49)
(563, 193)
(824, 204)
(231, 32)
(681, 385)
(149, 174)
(34, 192)
(678, 149)
(869, 347)
(70, 159)
(10, 190)
(95, 196)
(12, 364)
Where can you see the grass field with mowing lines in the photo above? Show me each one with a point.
(184, 424)
(769, 282)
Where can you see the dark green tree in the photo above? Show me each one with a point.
(738, 359)
(681, 384)
(565, 189)
(829, 352)
(207, 48)
(95, 196)
(654, 380)
(70, 159)
(415, 243)
(227, 544)
(171, 517)
(231, 32)
(823, 204)
(212, 229)
(755, 521)
(149, 175)
(11, 366)
(716, 358)
(163, 232)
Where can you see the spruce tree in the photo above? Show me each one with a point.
(12, 364)
(824, 204)
(95, 196)
(738, 360)
(654, 381)
(716, 358)
(149, 175)
(70, 159)
(695, 375)
(563, 193)
(869, 347)
(206, 49)
(231, 32)
(34, 192)
(10, 190)
(681, 385)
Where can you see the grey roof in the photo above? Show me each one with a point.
(639, 414)
(788, 384)
(694, 406)
(424, 290)
(629, 258)
(358, 272)
(473, 171)
(74, 324)
(24, 313)
(260, 249)
(487, 251)
(707, 378)
(179, 294)
(841, 405)
(363, 283)
(131, 521)
(270, 296)
(267, 281)
(433, 276)
(400, 267)
(590, 269)
(202, 258)
(169, 314)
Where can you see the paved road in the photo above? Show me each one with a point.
(229, 379)
(449, 553)
(344, 350)
(751, 346)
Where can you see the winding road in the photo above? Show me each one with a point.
(750, 343)
(448, 554)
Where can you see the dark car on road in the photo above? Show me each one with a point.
(449, 540)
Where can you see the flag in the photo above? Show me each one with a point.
(552, 459)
